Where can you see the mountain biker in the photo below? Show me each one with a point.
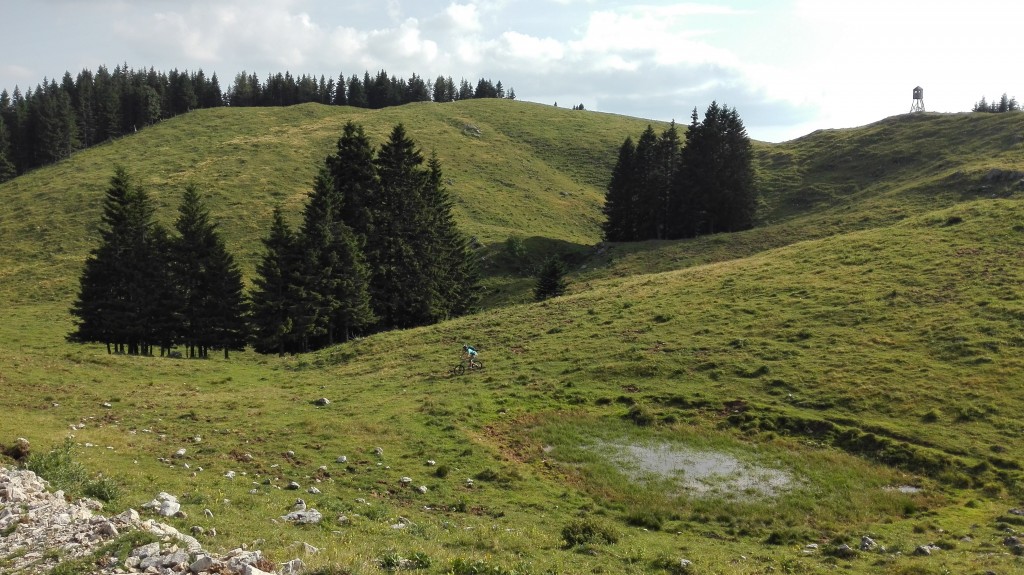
(469, 353)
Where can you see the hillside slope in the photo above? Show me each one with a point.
(513, 168)
(851, 368)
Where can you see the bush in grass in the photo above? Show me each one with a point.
(59, 468)
(646, 518)
(102, 488)
(641, 416)
(674, 566)
(588, 532)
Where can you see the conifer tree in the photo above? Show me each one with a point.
(117, 283)
(619, 201)
(208, 281)
(550, 280)
(646, 185)
(354, 174)
(400, 286)
(334, 274)
(7, 169)
(715, 177)
(455, 265)
(273, 330)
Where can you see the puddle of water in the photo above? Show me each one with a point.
(702, 473)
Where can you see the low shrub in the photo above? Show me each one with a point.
(588, 532)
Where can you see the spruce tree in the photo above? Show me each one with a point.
(715, 180)
(115, 304)
(550, 280)
(7, 169)
(666, 163)
(401, 292)
(272, 325)
(455, 265)
(646, 186)
(209, 282)
(619, 205)
(334, 275)
(354, 175)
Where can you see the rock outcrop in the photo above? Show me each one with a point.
(42, 529)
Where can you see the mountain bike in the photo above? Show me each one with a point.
(461, 367)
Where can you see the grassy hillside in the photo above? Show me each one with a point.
(851, 368)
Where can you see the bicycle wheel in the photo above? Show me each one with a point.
(459, 369)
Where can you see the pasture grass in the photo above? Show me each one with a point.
(868, 341)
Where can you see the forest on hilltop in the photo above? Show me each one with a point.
(47, 124)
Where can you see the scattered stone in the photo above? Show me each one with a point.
(293, 485)
(197, 531)
(1011, 541)
(405, 480)
(378, 451)
(322, 402)
(431, 462)
(293, 567)
(180, 453)
(309, 549)
(422, 489)
(313, 490)
(1016, 512)
(341, 459)
(207, 513)
(300, 505)
(107, 405)
(867, 543)
(247, 457)
(925, 550)
(305, 517)
(230, 475)
(203, 563)
(469, 482)
(845, 551)
(169, 508)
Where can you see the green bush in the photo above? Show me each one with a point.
(59, 468)
(588, 532)
(102, 488)
(646, 518)
(641, 416)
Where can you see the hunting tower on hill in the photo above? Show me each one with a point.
(918, 105)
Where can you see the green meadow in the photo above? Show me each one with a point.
(853, 366)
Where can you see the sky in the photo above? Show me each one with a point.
(788, 67)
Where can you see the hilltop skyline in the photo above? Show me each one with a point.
(788, 67)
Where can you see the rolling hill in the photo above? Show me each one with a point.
(851, 367)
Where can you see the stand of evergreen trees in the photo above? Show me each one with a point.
(48, 123)
(143, 288)
(662, 188)
(377, 249)
(1005, 104)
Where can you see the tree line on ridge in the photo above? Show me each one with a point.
(48, 123)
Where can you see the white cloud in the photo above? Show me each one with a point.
(464, 17)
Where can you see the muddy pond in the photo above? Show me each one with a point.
(700, 473)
